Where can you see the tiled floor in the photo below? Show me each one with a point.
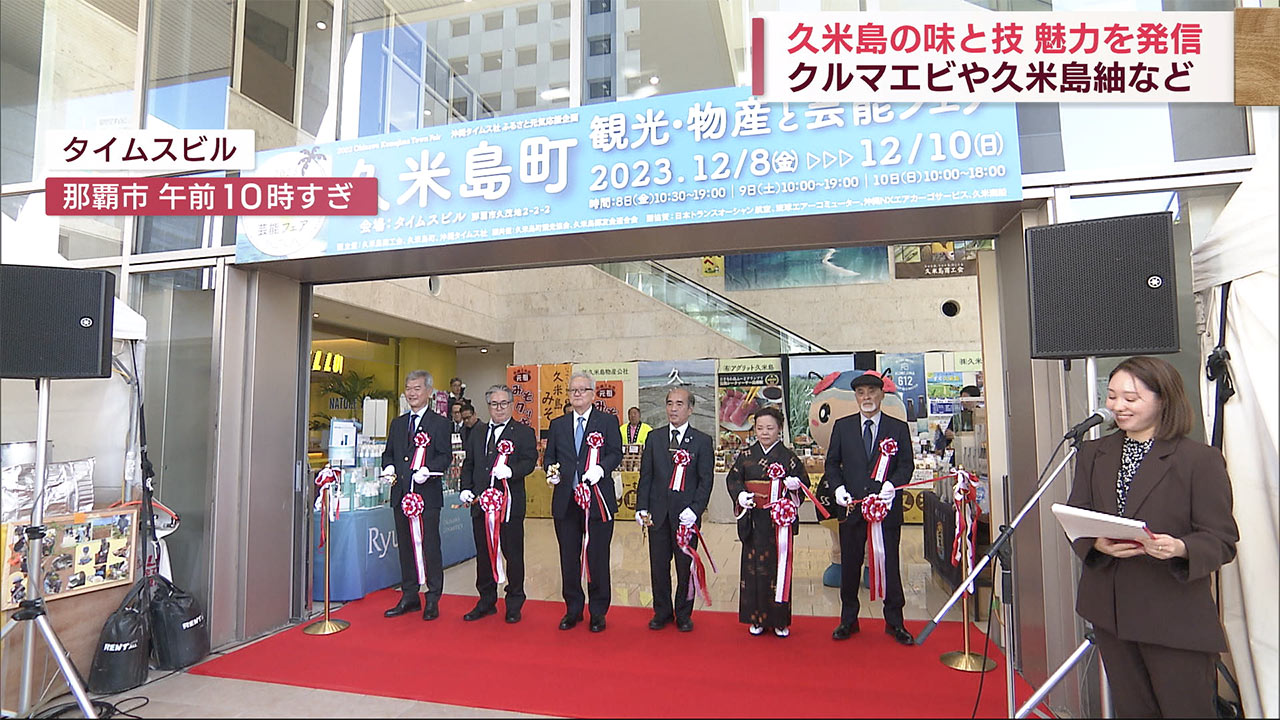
(181, 695)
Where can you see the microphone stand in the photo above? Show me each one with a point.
(1001, 549)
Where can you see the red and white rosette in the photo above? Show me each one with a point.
(697, 571)
(776, 473)
(967, 513)
(420, 442)
(874, 511)
(327, 481)
(504, 448)
(888, 448)
(582, 496)
(412, 506)
(783, 512)
(681, 458)
(494, 502)
(595, 441)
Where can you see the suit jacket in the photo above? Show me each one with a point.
(399, 452)
(656, 466)
(1181, 489)
(560, 449)
(478, 464)
(847, 463)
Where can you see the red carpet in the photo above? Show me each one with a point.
(718, 670)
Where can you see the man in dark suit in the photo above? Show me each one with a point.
(569, 440)
(668, 508)
(469, 421)
(397, 462)
(851, 459)
(481, 471)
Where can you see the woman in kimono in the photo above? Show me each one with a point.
(765, 483)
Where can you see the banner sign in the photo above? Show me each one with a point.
(700, 157)
(744, 386)
(938, 259)
(1009, 57)
(523, 381)
(553, 386)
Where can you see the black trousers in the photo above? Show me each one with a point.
(430, 552)
(853, 545)
(569, 535)
(512, 535)
(662, 548)
(1157, 681)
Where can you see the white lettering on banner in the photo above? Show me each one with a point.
(119, 647)
(380, 542)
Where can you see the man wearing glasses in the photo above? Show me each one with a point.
(499, 456)
(584, 447)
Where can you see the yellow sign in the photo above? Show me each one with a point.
(322, 361)
(712, 266)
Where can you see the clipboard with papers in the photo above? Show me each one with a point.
(1081, 523)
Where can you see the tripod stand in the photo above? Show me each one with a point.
(32, 610)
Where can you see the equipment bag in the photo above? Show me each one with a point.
(179, 630)
(124, 646)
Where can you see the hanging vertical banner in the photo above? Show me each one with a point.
(609, 399)
(907, 371)
(553, 392)
(523, 381)
(744, 386)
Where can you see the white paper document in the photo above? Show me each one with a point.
(1078, 523)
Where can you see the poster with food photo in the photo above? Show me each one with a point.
(744, 386)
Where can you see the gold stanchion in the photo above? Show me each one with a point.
(327, 626)
(966, 661)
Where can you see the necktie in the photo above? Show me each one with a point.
(868, 439)
(413, 426)
(493, 438)
(578, 432)
(675, 438)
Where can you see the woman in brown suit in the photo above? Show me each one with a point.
(1153, 615)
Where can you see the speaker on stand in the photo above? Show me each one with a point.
(54, 323)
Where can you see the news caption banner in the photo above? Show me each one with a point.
(134, 153)
(993, 56)
(712, 156)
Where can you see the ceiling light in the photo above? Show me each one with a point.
(484, 350)
(315, 315)
(653, 79)
(322, 25)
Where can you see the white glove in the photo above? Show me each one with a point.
(792, 483)
(887, 492)
(746, 499)
(642, 517)
(420, 475)
(467, 497)
(687, 517)
(388, 473)
(553, 479)
(843, 498)
(593, 475)
(501, 472)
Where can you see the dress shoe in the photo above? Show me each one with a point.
(431, 611)
(513, 616)
(568, 621)
(658, 623)
(685, 625)
(405, 605)
(782, 632)
(756, 629)
(597, 623)
(478, 612)
(899, 633)
(845, 630)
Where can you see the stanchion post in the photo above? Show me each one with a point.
(966, 661)
(326, 626)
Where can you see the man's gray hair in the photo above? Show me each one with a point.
(688, 393)
(424, 376)
(585, 376)
(497, 388)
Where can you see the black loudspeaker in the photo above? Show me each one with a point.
(1103, 287)
(55, 322)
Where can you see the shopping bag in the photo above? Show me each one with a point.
(124, 645)
(179, 629)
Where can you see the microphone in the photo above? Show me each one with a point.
(1101, 416)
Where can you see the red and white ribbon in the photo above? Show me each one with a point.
(697, 571)
(874, 511)
(504, 448)
(595, 441)
(967, 513)
(582, 496)
(888, 448)
(412, 506)
(493, 502)
(681, 458)
(420, 442)
(783, 512)
(327, 481)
